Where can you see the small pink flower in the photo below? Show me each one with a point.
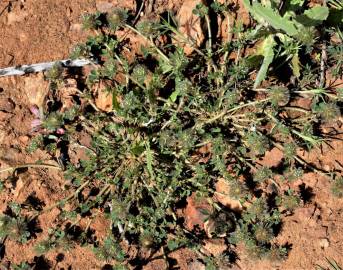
(35, 111)
(60, 131)
(36, 123)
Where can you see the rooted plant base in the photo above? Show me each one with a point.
(313, 230)
(310, 214)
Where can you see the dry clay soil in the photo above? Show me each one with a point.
(33, 31)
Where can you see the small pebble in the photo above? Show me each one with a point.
(196, 265)
(104, 6)
(327, 168)
(23, 37)
(77, 27)
(324, 243)
(24, 139)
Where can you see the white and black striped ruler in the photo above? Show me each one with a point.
(25, 69)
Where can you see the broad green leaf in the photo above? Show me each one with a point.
(317, 13)
(268, 54)
(340, 94)
(253, 61)
(313, 16)
(271, 17)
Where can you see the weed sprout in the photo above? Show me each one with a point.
(178, 123)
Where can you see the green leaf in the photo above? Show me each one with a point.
(172, 244)
(115, 103)
(317, 13)
(137, 149)
(268, 53)
(174, 95)
(120, 267)
(149, 159)
(296, 65)
(313, 16)
(271, 17)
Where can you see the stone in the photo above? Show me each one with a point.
(7, 105)
(66, 92)
(76, 27)
(108, 5)
(2, 134)
(222, 196)
(4, 116)
(103, 98)
(16, 16)
(36, 89)
(196, 265)
(324, 243)
(24, 139)
(215, 247)
(104, 6)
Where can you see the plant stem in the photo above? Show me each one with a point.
(318, 91)
(229, 39)
(221, 114)
(207, 19)
(296, 109)
(253, 103)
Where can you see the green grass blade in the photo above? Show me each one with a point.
(268, 53)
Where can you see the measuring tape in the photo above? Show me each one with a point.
(25, 69)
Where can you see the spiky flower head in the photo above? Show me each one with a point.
(116, 18)
(290, 151)
(288, 201)
(263, 233)
(257, 142)
(146, 239)
(279, 96)
(328, 111)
